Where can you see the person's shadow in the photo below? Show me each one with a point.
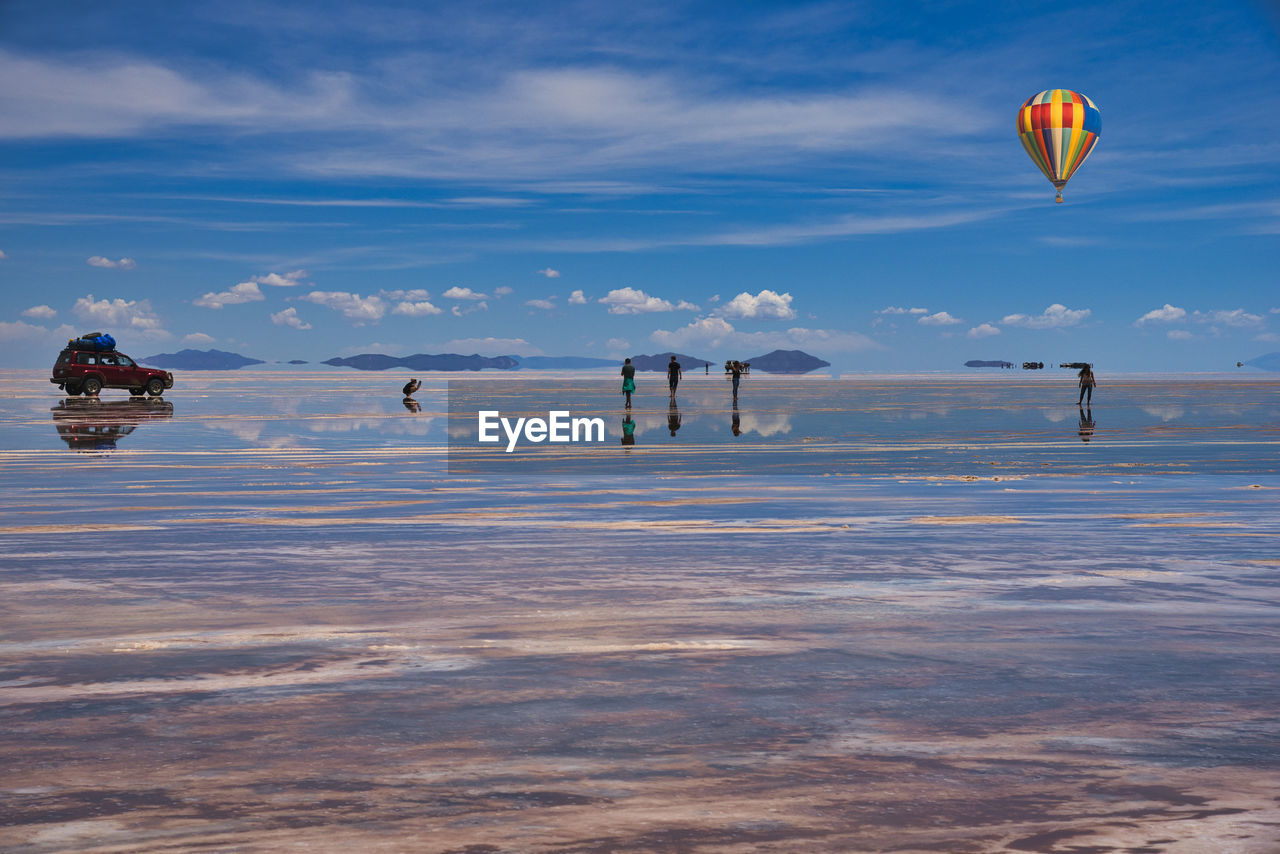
(1086, 425)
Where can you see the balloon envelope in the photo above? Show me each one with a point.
(1059, 128)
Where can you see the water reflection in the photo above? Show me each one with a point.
(735, 426)
(1086, 424)
(412, 405)
(92, 424)
(673, 416)
(628, 429)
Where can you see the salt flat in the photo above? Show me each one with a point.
(278, 610)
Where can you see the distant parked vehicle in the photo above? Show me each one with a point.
(89, 364)
(1032, 366)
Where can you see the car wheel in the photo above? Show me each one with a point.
(155, 386)
(92, 386)
(137, 392)
(72, 389)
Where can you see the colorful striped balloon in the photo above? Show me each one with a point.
(1059, 128)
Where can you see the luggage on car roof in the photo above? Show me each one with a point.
(92, 341)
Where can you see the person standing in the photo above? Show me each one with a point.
(1087, 382)
(674, 375)
(735, 368)
(628, 380)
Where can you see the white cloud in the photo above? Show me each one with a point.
(491, 347)
(289, 317)
(21, 332)
(354, 307)
(122, 264)
(705, 331)
(287, 280)
(767, 303)
(198, 339)
(893, 309)
(1269, 337)
(577, 298)
(940, 318)
(717, 333)
(2, 255)
(414, 295)
(1237, 317)
(241, 293)
(1055, 316)
(549, 273)
(40, 312)
(541, 303)
(634, 301)
(135, 315)
(1167, 314)
(463, 293)
(1179, 335)
(617, 345)
(983, 330)
(459, 311)
(420, 308)
(685, 305)
(715, 298)
(503, 291)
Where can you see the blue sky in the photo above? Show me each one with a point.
(297, 180)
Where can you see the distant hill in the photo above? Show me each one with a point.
(424, 362)
(564, 362)
(200, 360)
(1268, 362)
(297, 362)
(987, 363)
(787, 362)
(659, 362)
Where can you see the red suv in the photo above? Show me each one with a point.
(90, 371)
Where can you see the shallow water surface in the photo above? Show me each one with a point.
(284, 609)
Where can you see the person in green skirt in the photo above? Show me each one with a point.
(628, 380)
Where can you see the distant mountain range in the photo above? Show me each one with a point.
(987, 363)
(787, 362)
(659, 362)
(424, 362)
(200, 360)
(564, 362)
(1267, 362)
(779, 362)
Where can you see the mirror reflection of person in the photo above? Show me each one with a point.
(412, 405)
(410, 387)
(1087, 382)
(736, 424)
(1086, 424)
(735, 368)
(628, 429)
(673, 416)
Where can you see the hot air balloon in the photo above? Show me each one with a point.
(1059, 128)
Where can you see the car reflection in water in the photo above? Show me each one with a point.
(92, 424)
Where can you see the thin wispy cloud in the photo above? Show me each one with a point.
(108, 264)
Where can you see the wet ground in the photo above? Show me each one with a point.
(909, 614)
